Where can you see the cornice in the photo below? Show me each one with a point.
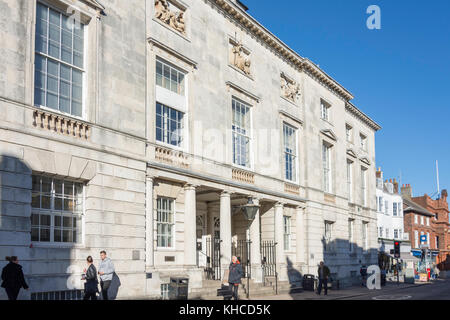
(351, 108)
(95, 4)
(264, 35)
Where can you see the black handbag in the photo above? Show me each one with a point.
(224, 291)
(91, 287)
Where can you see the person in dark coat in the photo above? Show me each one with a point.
(13, 278)
(323, 273)
(91, 285)
(235, 275)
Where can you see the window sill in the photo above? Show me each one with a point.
(64, 114)
(56, 245)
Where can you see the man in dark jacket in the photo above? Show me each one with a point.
(13, 279)
(235, 275)
(323, 273)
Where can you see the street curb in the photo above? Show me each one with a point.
(363, 294)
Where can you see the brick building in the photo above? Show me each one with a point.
(417, 220)
(440, 225)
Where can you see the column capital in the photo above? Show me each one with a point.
(225, 193)
(190, 186)
(280, 204)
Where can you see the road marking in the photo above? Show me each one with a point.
(392, 297)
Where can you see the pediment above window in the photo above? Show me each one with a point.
(351, 153)
(329, 133)
(365, 160)
(95, 4)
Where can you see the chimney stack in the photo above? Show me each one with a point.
(444, 194)
(395, 186)
(379, 173)
(406, 191)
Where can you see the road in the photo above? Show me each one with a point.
(437, 290)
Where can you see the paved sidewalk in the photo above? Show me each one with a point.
(351, 292)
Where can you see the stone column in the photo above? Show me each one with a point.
(300, 233)
(149, 243)
(225, 229)
(278, 224)
(190, 237)
(255, 249)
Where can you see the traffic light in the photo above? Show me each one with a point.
(396, 249)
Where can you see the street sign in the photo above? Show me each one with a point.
(423, 239)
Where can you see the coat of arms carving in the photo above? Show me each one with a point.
(174, 19)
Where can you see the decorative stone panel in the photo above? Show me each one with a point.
(291, 188)
(171, 157)
(170, 14)
(61, 125)
(243, 176)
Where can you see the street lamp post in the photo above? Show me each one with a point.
(249, 211)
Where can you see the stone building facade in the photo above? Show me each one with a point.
(161, 119)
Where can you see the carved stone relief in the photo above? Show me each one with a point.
(169, 14)
(289, 89)
(239, 57)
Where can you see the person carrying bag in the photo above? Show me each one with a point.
(91, 284)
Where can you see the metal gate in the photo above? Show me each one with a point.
(241, 249)
(212, 268)
(268, 257)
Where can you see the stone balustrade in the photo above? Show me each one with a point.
(291, 188)
(243, 176)
(172, 157)
(61, 125)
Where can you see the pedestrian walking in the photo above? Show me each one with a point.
(13, 278)
(323, 273)
(235, 275)
(106, 272)
(91, 284)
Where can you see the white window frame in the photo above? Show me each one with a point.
(416, 219)
(180, 86)
(422, 220)
(364, 186)
(416, 238)
(293, 154)
(394, 209)
(325, 110)
(350, 180)
(173, 224)
(428, 221)
(237, 131)
(348, 133)
(363, 141)
(396, 236)
(60, 62)
(166, 120)
(52, 212)
(326, 167)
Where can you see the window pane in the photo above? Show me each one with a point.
(34, 234)
(45, 202)
(44, 235)
(41, 12)
(57, 235)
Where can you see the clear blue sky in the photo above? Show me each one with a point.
(399, 75)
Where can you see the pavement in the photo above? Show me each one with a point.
(436, 290)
